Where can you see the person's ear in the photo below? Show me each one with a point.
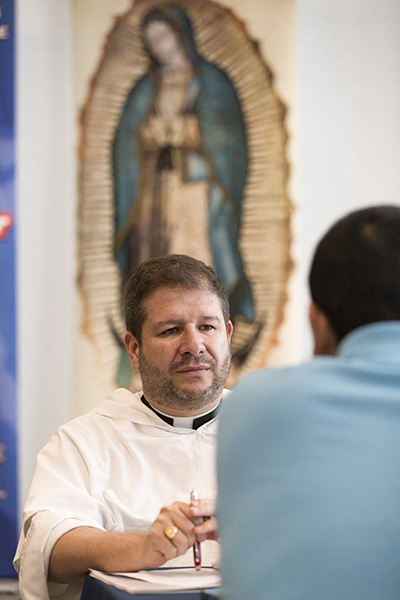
(324, 339)
(230, 330)
(132, 348)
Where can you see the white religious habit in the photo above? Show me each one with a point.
(112, 468)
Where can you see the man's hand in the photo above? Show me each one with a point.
(86, 548)
(203, 511)
(156, 547)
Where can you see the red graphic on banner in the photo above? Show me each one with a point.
(6, 221)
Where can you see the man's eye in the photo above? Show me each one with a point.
(207, 327)
(169, 331)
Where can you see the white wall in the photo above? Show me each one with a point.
(348, 154)
(46, 203)
(349, 117)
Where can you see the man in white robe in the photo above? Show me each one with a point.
(111, 490)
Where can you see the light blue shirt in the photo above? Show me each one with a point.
(309, 476)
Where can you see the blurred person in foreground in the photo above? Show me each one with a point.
(309, 456)
(111, 490)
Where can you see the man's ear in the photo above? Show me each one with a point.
(132, 348)
(230, 330)
(324, 339)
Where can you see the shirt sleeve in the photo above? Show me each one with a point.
(60, 499)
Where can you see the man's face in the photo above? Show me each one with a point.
(184, 355)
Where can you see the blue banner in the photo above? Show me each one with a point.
(8, 367)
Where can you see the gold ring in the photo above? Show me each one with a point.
(171, 532)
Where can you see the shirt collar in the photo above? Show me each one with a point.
(378, 340)
(185, 422)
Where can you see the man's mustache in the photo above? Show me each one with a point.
(193, 361)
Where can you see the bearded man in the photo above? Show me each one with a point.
(111, 488)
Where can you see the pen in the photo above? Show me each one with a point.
(196, 545)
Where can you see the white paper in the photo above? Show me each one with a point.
(161, 580)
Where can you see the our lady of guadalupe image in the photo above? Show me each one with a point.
(186, 105)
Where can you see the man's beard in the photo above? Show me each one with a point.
(160, 388)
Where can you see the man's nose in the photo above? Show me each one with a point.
(191, 341)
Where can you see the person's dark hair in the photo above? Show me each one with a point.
(355, 273)
(170, 271)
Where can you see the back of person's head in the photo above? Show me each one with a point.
(170, 271)
(355, 274)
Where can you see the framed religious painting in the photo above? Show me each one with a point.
(183, 150)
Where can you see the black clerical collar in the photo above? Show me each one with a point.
(195, 423)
